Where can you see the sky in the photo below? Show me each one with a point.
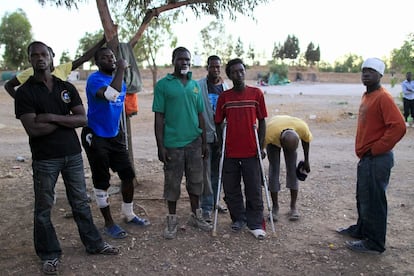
(368, 28)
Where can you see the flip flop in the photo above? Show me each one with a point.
(293, 215)
(139, 221)
(50, 267)
(222, 209)
(108, 249)
(259, 234)
(274, 215)
(115, 232)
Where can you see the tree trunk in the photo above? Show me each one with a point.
(111, 36)
(154, 72)
(110, 29)
(130, 150)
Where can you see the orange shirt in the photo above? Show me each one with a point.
(380, 123)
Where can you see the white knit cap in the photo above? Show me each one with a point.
(374, 63)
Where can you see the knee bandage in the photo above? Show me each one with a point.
(101, 197)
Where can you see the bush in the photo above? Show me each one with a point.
(280, 69)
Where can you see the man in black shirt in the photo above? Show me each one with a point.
(50, 109)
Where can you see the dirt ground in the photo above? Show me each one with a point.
(306, 247)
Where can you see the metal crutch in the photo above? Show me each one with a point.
(223, 147)
(264, 177)
(124, 126)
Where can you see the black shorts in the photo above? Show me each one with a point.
(104, 154)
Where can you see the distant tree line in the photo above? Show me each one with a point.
(15, 35)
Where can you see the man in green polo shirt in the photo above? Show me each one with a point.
(181, 139)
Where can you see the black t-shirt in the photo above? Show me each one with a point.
(34, 97)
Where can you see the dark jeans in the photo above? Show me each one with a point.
(408, 108)
(373, 176)
(233, 170)
(45, 174)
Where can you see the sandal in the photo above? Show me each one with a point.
(50, 267)
(293, 215)
(274, 214)
(139, 221)
(108, 249)
(259, 234)
(115, 232)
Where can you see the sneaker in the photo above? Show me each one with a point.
(259, 234)
(359, 246)
(407, 124)
(170, 231)
(197, 220)
(344, 231)
(238, 225)
(350, 231)
(207, 216)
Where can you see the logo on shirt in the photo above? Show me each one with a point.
(65, 96)
(195, 90)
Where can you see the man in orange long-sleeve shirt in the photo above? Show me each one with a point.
(380, 127)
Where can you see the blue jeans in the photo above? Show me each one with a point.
(373, 176)
(45, 174)
(211, 176)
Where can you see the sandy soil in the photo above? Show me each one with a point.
(306, 247)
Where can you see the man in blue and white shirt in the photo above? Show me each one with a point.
(104, 141)
(408, 97)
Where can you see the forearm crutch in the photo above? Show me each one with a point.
(124, 126)
(223, 147)
(259, 153)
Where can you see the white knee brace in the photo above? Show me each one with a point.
(101, 197)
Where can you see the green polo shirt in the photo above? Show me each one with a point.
(180, 105)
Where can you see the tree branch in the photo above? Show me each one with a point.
(155, 12)
(110, 29)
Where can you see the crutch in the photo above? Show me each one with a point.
(223, 147)
(124, 126)
(259, 152)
